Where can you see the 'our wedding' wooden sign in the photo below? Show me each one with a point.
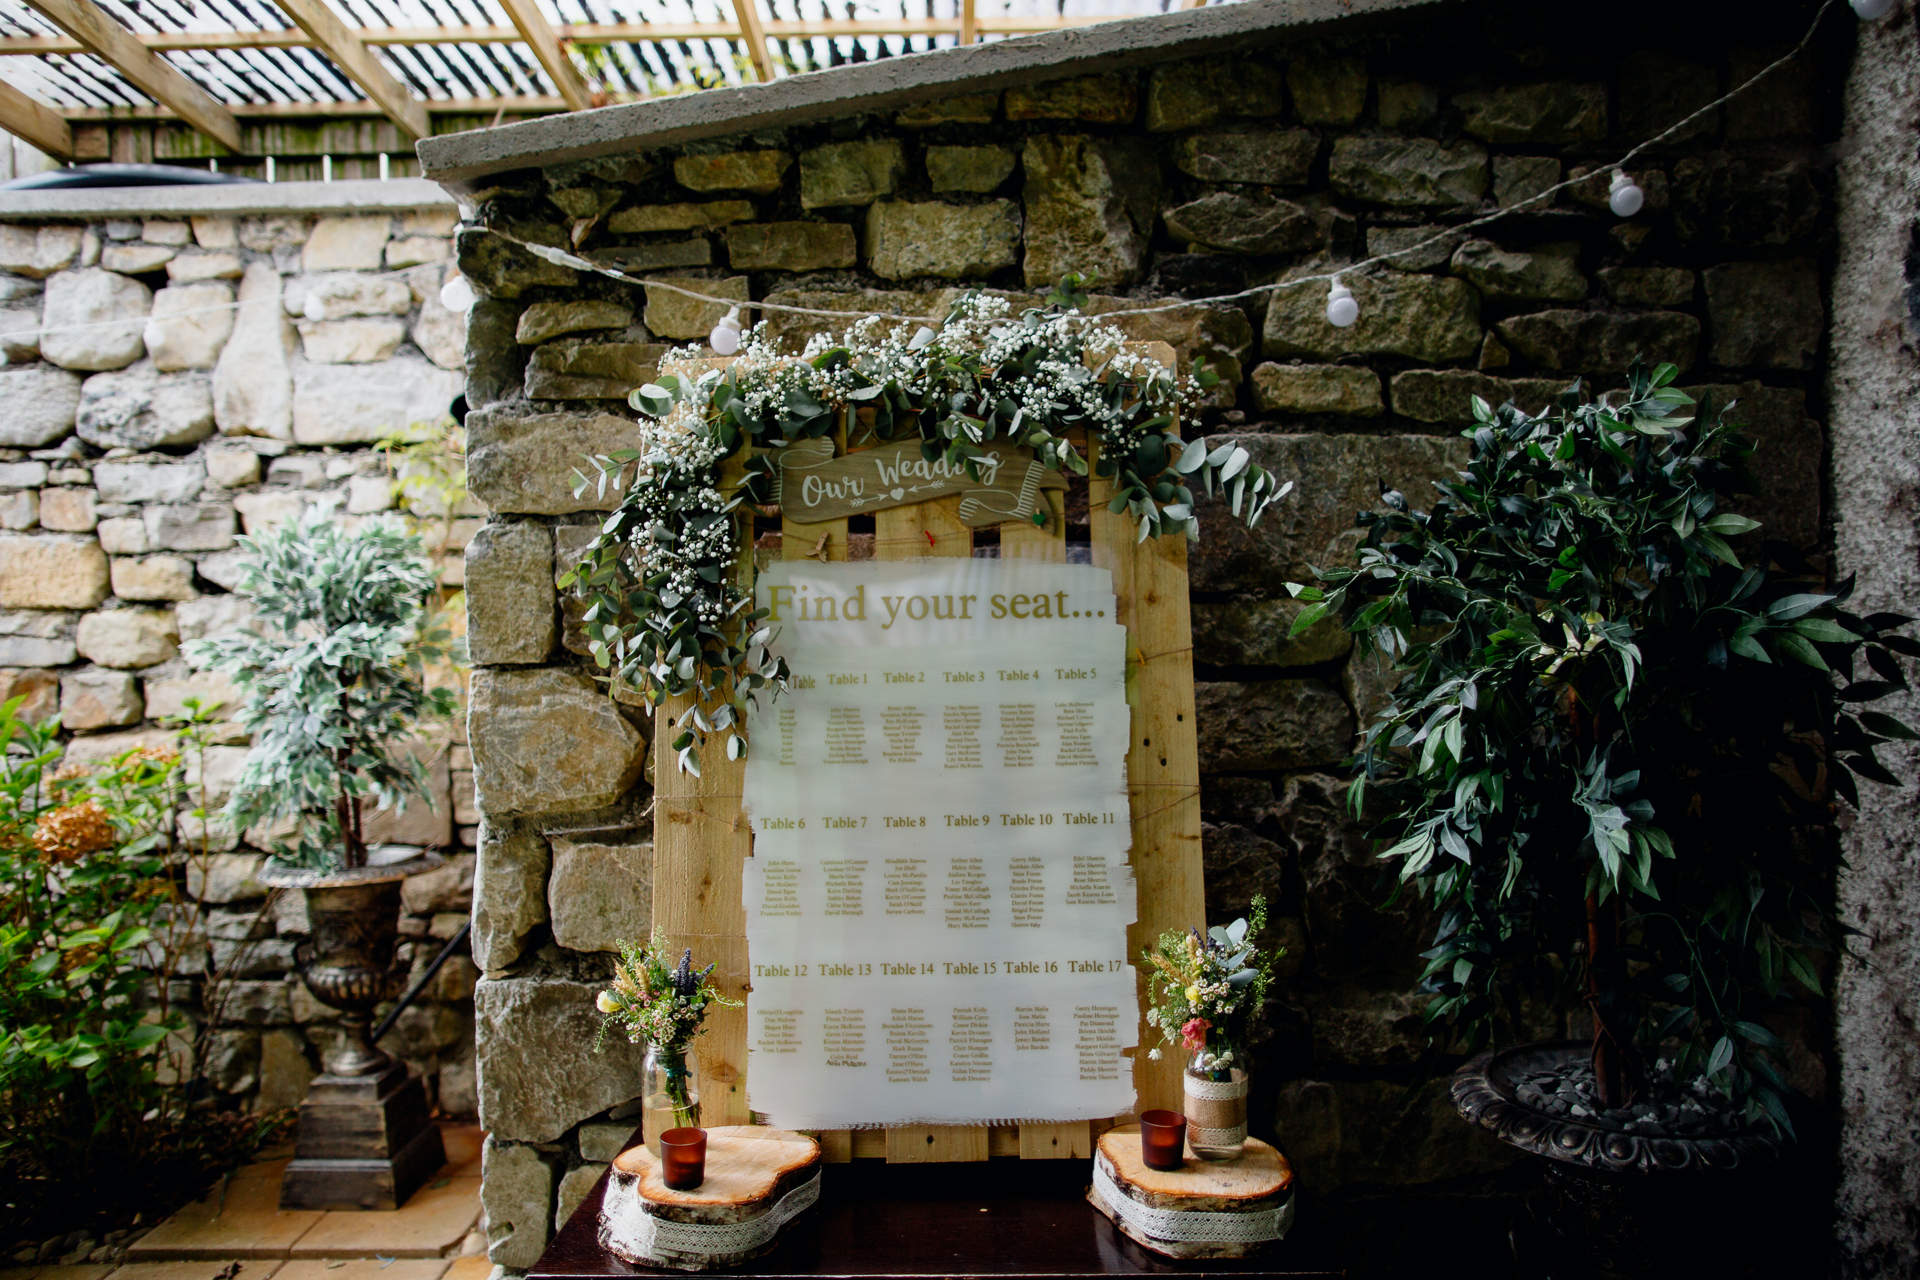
(815, 486)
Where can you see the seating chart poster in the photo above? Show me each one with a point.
(939, 894)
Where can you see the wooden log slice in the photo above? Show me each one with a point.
(1204, 1209)
(757, 1180)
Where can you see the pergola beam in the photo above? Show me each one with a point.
(545, 43)
(23, 117)
(754, 35)
(344, 46)
(146, 70)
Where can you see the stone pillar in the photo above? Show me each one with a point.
(1874, 389)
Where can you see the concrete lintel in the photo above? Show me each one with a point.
(459, 160)
(358, 196)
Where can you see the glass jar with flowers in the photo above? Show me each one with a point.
(1205, 991)
(665, 1005)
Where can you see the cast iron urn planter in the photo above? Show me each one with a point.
(1597, 1167)
(365, 1140)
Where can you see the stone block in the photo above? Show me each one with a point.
(851, 173)
(31, 638)
(190, 526)
(171, 231)
(501, 269)
(1350, 391)
(96, 699)
(51, 571)
(695, 252)
(20, 334)
(1517, 179)
(539, 1074)
(22, 475)
(141, 407)
(129, 637)
(680, 217)
(522, 464)
(441, 334)
(153, 578)
(675, 315)
(123, 535)
(759, 172)
(1601, 343)
(1365, 1132)
(356, 404)
(260, 512)
(1547, 273)
(1110, 98)
(549, 740)
(791, 246)
(1253, 633)
(1659, 89)
(1090, 207)
(19, 509)
(1334, 476)
(601, 891)
(1737, 203)
(149, 481)
(509, 892)
(41, 402)
(425, 818)
(574, 1187)
(951, 242)
(602, 1140)
(94, 320)
(37, 688)
(1269, 157)
(347, 243)
(1402, 104)
(1242, 222)
(189, 325)
(1409, 172)
(791, 332)
(510, 594)
(1445, 396)
(570, 369)
(136, 258)
(214, 690)
(516, 1191)
(1328, 88)
(340, 294)
(448, 887)
(1187, 95)
(226, 878)
(544, 320)
(212, 616)
(1785, 107)
(1423, 317)
(231, 466)
(1765, 314)
(259, 1004)
(494, 361)
(977, 170)
(285, 1071)
(212, 232)
(191, 268)
(1557, 111)
(1420, 248)
(362, 340)
(37, 252)
(415, 250)
(253, 381)
(1262, 725)
(1788, 460)
(960, 108)
(1649, 286)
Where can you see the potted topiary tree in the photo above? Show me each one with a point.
(1608, 763)
(334, 679)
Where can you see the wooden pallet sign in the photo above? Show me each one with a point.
(703, 839)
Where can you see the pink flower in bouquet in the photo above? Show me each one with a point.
(1194, 1034)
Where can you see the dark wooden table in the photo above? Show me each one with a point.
(1004, 1218)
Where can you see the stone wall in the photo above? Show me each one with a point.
(169, 385)
(1186, 180)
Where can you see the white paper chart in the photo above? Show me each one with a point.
(938, 898)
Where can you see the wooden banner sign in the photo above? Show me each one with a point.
(815, 486)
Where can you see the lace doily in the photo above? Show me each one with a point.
(1199, 1137)
(632, 1228)
(1215, 1090)
(1193, 1228)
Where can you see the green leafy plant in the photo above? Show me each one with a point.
(1206, 989)
(1609, 756)
(333, 680)
(668, 591)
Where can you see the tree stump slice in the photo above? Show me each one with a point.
(1204, 1209)
(757, 1181)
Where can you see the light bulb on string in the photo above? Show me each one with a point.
(1342, 310)
(1624, 195)
(725, 338)
(1872, 10)
(457, 295)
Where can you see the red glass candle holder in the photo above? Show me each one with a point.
(683, 1158)
(1163, 1139)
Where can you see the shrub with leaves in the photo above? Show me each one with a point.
(334, 679)
(1618, 723)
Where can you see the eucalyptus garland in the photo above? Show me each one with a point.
(668, 593)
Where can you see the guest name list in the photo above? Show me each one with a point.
(938, 898)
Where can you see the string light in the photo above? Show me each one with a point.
(1624, 196)
(457, 295)
(725, 338)
(1872, 10)
(1342, 310)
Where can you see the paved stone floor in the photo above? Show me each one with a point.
(239, 1232)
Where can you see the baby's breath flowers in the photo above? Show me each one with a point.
(1205, 988)
(667, 585)
(655, 1001)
